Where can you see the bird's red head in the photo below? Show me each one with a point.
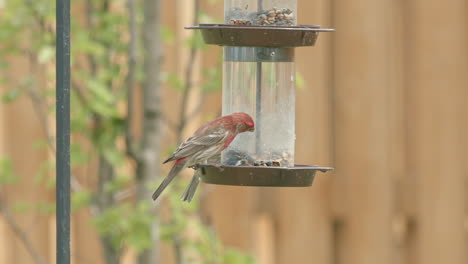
(243, 122)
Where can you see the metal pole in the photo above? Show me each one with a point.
(258, 99)
(63, 131)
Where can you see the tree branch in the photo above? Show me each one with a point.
(188, 80)
(38, 107)
(148, 164)
(90, 24)
(169, 123)
(197, 109)
(79, 93)
(22, 236)
(130, 81)
(40, 20)
(183, 116)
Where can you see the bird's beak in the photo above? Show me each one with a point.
(251, 129)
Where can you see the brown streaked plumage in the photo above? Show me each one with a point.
(207, 141)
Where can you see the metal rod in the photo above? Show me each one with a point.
(258, 108)
(63, 131)
(258, 96)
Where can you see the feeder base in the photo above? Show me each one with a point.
(260, 36)
(297, 176)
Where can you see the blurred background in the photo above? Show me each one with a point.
(382, 100)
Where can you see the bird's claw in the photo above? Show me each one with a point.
(195, 166)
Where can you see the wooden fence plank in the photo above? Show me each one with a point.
(361, 72)
(383, 103)
(304, 216)
(437, 86)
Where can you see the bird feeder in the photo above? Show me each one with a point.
(259, 39)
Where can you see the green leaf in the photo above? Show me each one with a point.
(46, 207)
(47, 168)
(232, 256)
(46, 54)
(100, 91)
(40, 144)
(140, 222)
(127, 225)
(6, 172)
(4, 65)
(113, 155)
(83, 44)
(51, 183)
(175, 81)
(300, 82)
(117, 184)
(11, 95)
(213, 81)
(104, 109)
(22, 207)
(41, 207)
(196, 41)
(206, 18)
(81, 199)
(167, 34)
(77, 155)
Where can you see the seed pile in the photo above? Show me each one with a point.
(267, 163)
(235, 158)
(241, 22)
(275, 17)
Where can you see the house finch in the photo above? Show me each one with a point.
(209, 140)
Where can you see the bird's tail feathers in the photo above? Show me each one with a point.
(171, 158)
(189, 192)
(178, 166)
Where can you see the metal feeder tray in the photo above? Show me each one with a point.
(260, 36)
(297, 176)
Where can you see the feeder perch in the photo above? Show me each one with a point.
(259, 38)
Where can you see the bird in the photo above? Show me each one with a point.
(207, 141)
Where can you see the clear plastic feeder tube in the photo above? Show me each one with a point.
(261, 82)
(260, 12)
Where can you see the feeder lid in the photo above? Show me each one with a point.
(260, 36)
(297, 176)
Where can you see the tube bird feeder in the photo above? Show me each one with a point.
(259, 39)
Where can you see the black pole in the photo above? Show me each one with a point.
(63, 130)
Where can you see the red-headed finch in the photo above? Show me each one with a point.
(209, 140)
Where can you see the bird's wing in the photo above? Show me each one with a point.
(200, 141)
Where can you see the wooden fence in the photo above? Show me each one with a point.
(384, 103)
